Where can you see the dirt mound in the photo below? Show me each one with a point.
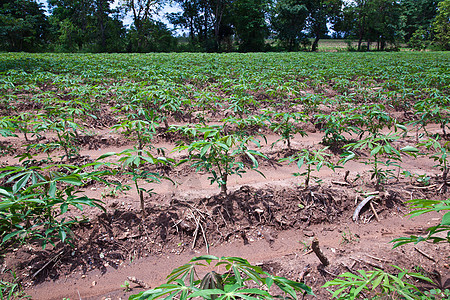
(247, 214)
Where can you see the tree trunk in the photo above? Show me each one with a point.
(315, 44)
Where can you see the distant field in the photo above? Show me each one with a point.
(334, 44)
(330, 45)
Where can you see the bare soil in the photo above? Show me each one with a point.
(268, 220)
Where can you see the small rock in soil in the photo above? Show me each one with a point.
(308, 233)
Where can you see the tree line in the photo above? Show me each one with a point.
(221, 25)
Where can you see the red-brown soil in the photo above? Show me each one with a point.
(268, 220)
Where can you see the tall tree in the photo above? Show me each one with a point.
(153, 37)
(418, 15)
(374, 21)
(441, 25)
(142, 11)
(321, 13)
(23, 26)
(250, 24)
(208, 22)
(196, 16)
(84, 25)
(72, 19)
(289, 21)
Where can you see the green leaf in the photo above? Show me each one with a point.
(62, 234)
(106, 155)
(12, 234)
(205, 257)
(71, 179)
(52, 189)
(205, 149)
(205, 293)
(375, 150)
(446, 219)
(21, 183)
(5, 193)
(409, 149)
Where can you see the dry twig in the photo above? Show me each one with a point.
(368, 263)
(374, 211)
(425, 254)
(139, 282)
(47, 263)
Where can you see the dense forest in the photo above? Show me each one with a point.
(222, 25)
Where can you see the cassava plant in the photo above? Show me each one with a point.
(311, 159)
(218, 153)
(35, 200)
(140, 127)
(434, 110)
(377, 284)
(439, 233)
(137, 163)
(234, 278)
(66, 134)
(383, 156)
(248, 126)
(8, 126)
(286, 125)
(337, 125)
(441, 155)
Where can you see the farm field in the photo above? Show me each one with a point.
(117, 166)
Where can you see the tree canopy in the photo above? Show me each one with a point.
(220, 25)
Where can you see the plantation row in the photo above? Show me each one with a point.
(374, 109)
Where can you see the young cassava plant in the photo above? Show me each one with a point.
(234, 278)
(218, 154)
(136, 163)
(311, 159)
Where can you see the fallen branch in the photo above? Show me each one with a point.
(372, 193)
(374, 211)
(340, 183)
(195, 234)
(360, 206)
(424, 254)
(309, 251)
(368, 263)
(199, 225)
(328, 272)
(305, 272)
(315, 247)
(139, 282)
(47, 263)
(421, 187)
(377, 258)
(346, 176)
(204, 238)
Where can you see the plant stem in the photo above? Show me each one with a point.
(141, 198)
(223, 187)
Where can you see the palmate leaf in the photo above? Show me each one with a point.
(240, 271)
(181, 272)
(206, 293)
(290, 287)
(207, 258)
